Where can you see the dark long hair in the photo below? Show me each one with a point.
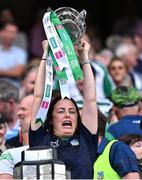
(130, 139)
(48, 122)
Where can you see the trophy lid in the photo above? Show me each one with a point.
(73, 21)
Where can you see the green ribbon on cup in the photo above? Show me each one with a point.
(67, 46)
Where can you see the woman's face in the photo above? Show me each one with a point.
(118, 71)
(64, 118)
(137, 149)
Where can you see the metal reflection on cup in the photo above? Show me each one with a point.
(73, 21)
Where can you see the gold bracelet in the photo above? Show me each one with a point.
(85, 62)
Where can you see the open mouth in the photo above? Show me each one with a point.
(67, 123)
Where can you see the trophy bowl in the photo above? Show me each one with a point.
(73, 22)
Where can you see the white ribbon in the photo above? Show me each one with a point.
(54, 42)
(59, 54)
(41, 115)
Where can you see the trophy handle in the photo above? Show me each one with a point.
(49, 9)
(73, 21)
(82, 14)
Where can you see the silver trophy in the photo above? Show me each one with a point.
(73, 22)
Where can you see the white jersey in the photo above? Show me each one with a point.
(11, 57)
(10, 158)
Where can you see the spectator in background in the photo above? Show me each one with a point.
(14, 154)
(28, 79)
(127, 37)
(9, 99)
(104, 82)
(8, 160)
(105, 56)
(126, 103)
(24, 115)
(129, 54)
(21, 40)
(112, 41)
(118, 70)
(12, 58)
(118, 159)
(115, 160)
(129, 131)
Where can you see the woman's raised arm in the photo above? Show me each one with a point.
(89, 112)
(39, 86)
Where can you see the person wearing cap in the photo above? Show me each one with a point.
(130, 132)
(126, 102)
(115, 161)
(120, 161)
(119, 157)
(127, 107)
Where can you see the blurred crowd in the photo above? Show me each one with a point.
(117, 68)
